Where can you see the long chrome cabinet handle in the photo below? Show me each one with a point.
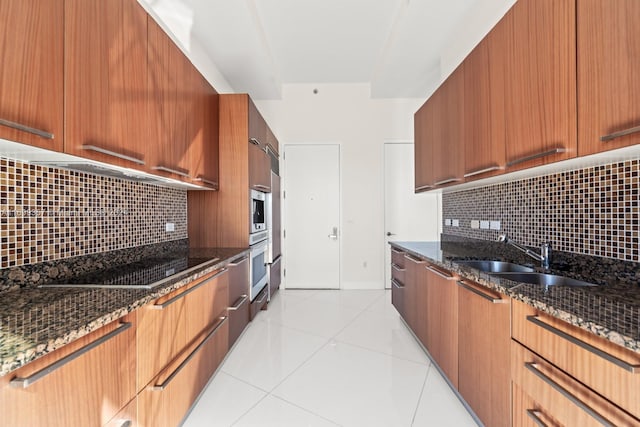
(165, 384)
(261, 187)
(447, 181)
(537, 156)
(30, 380)
(634, 369)
(423, 187)
(237, 263)
(619, 134)
(277, 261)
(533, 414)
(29, 129)
(169, 170)
(397, 268)
(482, 294)
(440, 273)
(238, 303)
(187, 292)
(261, 300)
(101, 150)
(254, 141)
(532, 367)
(485, 170)
(415, 260)
(396, 284)
(206, 181)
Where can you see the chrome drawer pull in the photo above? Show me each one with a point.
(240, 301)
(481, 171)
(165, 384)
(29, 129)
(237, 263)
(619, 134)
(634, 369)
(261, 187)
(206, 181)
(97, 149)
(482, 294)
(439, 273)
(533, 414)
(396, 251)
(172, 171)
(415, 260)
(187, 292)
(532, 367)
(254, 141)
(447, 181)
(396, 284)
(26, 382)
(261, 300)
(537, 156)
(397, 268)
(423, 187)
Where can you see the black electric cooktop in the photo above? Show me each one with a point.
(144, 274)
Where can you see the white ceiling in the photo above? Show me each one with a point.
(258, 45)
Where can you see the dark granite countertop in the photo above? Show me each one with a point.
(610, 310)
(35, 321)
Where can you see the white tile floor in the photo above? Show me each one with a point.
(328, 358)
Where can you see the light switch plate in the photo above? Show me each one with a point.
(494, 225)
(484, 225)
(447, 222)
(169, 227)
(475, 223)
(455, 223)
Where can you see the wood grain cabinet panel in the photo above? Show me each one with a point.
(608, 84)
(106, 103)
(88, 390)
(414, 296)
(609, 369)
(423, 147)
(484, 352)
(127, 417)
(540, 82)
(32, 72)
(238, 298)
(441, 310)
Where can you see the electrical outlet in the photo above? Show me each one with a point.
(494, 225)
(484, 225)
(169, 227)
(475, 223)
(447, 222)
(455, 223)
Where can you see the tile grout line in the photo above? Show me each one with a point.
(424, 385)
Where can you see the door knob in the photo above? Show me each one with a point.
(334, 235)
(390, 233)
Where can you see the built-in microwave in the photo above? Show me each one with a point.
(258, 211)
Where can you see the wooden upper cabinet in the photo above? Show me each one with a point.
(423, 147)
(448, 125)
(540, 82)
(484, 108)
(106, 81)
(259, 161)
(31, 75)
(608, 84)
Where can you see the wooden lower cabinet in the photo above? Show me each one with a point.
(556, 398)
(127, 417)
(484, 352)
(275, 277)
(166, 400)
(259, 303)
(414, 295)
(441, 318)
(61, 389)
(238, 298)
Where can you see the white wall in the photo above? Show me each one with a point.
(346, 114)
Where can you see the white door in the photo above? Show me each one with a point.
(311, 216)
(407, 216)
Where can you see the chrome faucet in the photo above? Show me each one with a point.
(545, 250)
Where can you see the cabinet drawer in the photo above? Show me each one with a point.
(397, 257)
(397, 296)
(238, 318)
(275, 277)
(167, 399)
(609, 369)
(238, 278)
(259, 303)
(127, 417)
(397, 273)
(559, 396)
(85, 383)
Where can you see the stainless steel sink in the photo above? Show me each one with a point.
(543, 279)
(495, 266)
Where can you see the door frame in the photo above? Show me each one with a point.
(284, 213)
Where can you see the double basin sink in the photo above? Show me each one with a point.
(521, 273)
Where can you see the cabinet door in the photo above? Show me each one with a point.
(423, 147)
(31, 75)
(275, 277)
(540, 79)
(85, 383)
(484, 145)
(448, 128)
(106, 81)
(172, 102)
(203, 151)
(484, 353)
(259, 161)
(205, 303)
(608, 84)
(414, 295)
(442, 320)
(127, 417)
(238, 298)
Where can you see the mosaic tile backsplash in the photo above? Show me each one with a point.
(48, 213)
(592, 211)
